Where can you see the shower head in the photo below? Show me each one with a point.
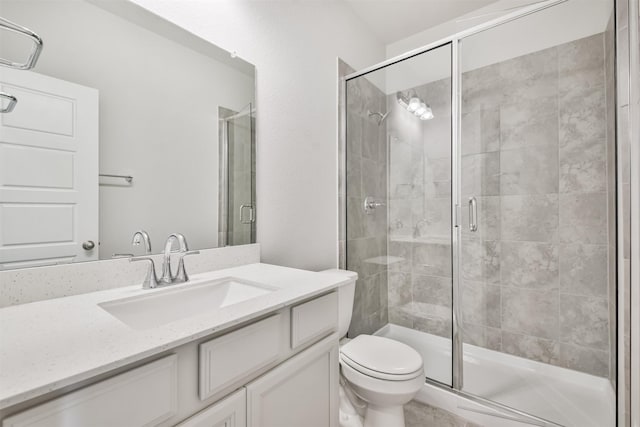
(381, 117)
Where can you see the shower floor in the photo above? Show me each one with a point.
(564, 396)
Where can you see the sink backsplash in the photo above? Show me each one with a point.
(42, 283)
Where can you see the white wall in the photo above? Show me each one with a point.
(294, 45)
(158, 117)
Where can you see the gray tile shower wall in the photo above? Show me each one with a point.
(543, 261)
(365, 234)
(420, 267)
(537, 151)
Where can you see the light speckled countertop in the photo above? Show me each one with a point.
(50, 344)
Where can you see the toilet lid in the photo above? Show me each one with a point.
(368, 353)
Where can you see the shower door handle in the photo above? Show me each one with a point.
(252, 217)
(473, 214)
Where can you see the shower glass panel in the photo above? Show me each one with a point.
(237, 177)
(537, 271)
(399, 206)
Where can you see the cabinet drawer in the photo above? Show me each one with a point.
(144, 396)
(314, 319)
(229, 412)
(234, 357)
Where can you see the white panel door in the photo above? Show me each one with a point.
(48, 171)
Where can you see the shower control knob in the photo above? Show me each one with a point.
(88, 245)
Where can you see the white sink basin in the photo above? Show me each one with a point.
(165, 306)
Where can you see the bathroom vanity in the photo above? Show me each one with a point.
(265, 353)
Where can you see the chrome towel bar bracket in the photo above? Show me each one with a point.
(10, 105)
(5, 24)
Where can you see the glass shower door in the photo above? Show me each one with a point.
(537, 248)
(238, 177)
(398, 205)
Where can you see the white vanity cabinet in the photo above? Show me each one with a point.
(279, 370)
(302, 392)
(143, 396)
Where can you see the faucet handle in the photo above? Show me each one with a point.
(151, 279)
(181, 275)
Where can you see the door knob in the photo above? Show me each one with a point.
(88, 245)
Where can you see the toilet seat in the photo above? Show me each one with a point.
(382, 358)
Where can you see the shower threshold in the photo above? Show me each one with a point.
(563, 396)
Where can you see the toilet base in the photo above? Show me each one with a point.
(384, 416)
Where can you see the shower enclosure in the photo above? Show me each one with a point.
(479, 202)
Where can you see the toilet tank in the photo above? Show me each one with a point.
(346, 294)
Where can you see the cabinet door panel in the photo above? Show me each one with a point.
(301, 392)
(144, 396)
(229, 412)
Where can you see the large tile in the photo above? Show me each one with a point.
(374, 179)
(582, 115)
(432, 259)
(481, 88)
(399, 288)
(355, 226)
(437, 170)
(399, 316)
(481, 260)
(402, 252)
(494, 310)
(594, 362)
(362, 252)
(436, 137)
(488, 218)
(481, 174)
(431, 290)
(533, 348)
(354, 134)
(474, 303)
(530, 218)
(480, 131)
(531, 312)
(583, 218)
(530, 76)
(436, 220)
(530, 170)
(354, 176)
(405, 165)
(529, 123)
(367, 296)
(583, 166)
(584, 321)
(581, 63)
(529, 265)
(480, 304)
(584, 269)
(370, 139)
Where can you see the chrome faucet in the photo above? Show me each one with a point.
(181, 274)
(142, 236)
(150, 279)
(167, 278)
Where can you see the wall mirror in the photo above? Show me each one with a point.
(127, 122)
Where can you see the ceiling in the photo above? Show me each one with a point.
(393, 20)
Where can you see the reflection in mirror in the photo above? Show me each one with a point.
(126, 123)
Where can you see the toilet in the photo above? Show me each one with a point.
(377, 375)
